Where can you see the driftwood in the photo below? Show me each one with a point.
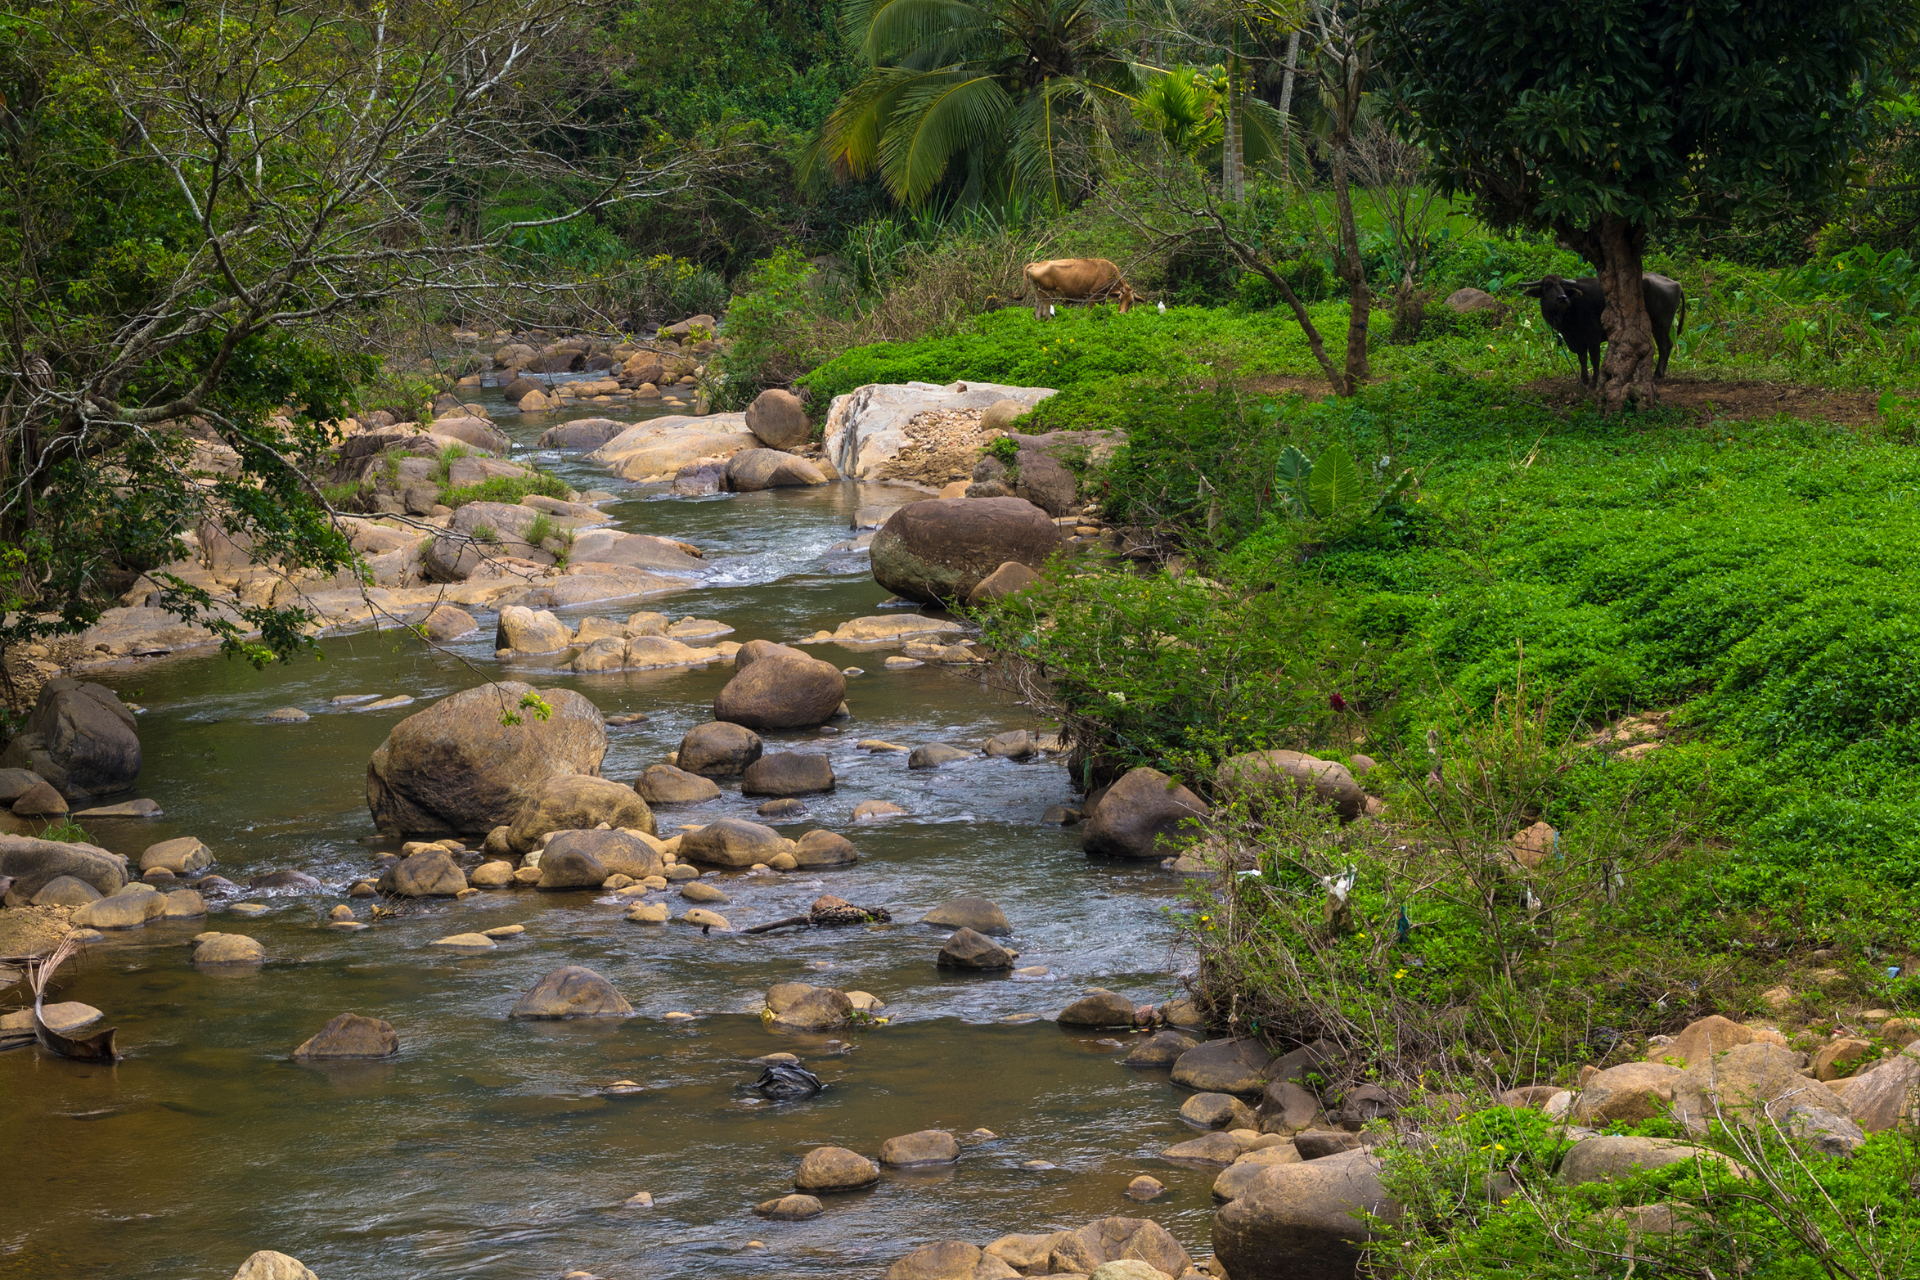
(828, 913)
(94, 1048)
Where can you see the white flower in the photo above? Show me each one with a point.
(1119, 698)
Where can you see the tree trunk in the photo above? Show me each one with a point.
(1353, 270)
(1286, 100)
(1233, 182)
(1627, 372)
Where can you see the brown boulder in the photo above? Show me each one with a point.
(1145, 814)
(1881, 1098)
(1630, 1092)
(1604, 1158)
(819, 849)
(619, 852)
(928, 1146)
(780, 688)
(456, 769)
(80, 738)
(668, 784)
(1098, 1008)
(1703, 1038)
(835, 1169)
(572, 992)
(578, 803)
(969, 950)
(941, 549)
(424, 875)
(351, 1036)
(719, 750)
(1237, 1066)
(1002, 582)
(788, 773)
(1266, 776)
(752, 470)
(950, 1260)
(778, 419)
(1117, 1240)
(1739, 1083)
(732, 842)
(1302, 1221)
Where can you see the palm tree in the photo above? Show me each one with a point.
(999, 89)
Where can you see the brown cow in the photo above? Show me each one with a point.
(1076, 280)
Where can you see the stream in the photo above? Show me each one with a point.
(488, 1148)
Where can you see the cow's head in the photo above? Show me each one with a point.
(1126, 297)
(1556, 294)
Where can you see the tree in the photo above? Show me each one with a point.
(200, 207)
(998, 87)
(1603, 120)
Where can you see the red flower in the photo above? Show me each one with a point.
(1337, 702)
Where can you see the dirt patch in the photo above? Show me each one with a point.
(1711, 399)
(1286, 384)
(942, 446)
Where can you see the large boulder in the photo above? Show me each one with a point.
(666, 784)
(1045, 483)
(79, 738)
(131, 908)
(181, 855)
(719, 750)
(1630, 1092)
(34, 864)
(456, 769)
(1302, 1221)
(788, 773)
(778, 419)
(780, 688)
(1741, 1083)
(351, 1036)
(732, 842)
(1703, 1038)
(1880, 1098)
(424, 875)
(752, 470)
(1145, 814)
(1226, 1066)
(867, 428)
(621, 852)
(572, 992)
(1604, 1158)
(941, 549)
(1264, 777)
(1118, 1240)
(577, 803)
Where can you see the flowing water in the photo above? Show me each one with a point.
(488, 1148)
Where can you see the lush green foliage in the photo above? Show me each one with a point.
(508, 489)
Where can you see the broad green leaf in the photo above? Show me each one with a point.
(1335, 487)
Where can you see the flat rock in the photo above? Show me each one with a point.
(788, 773)
(1236, 1066)
(1161, 1049)
(466, 942)
(227, 948)
(873, 810)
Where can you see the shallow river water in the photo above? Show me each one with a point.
(487, 1147)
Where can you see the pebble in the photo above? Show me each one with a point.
(639, 1199)
(1033, 973)
(897, 663)
(1021, 1017)
(650, 913)
(625, 1087)
(1037, 1165)
(980, 1135)
(853, 671)
(362, 889)
(699, 891)
(879, 744)
(341, 912)
(627, 718)
(346, 926)
(248, 909)
(467, 942)
(506, 931)
(676, 1016)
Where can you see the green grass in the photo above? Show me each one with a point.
(508, 489)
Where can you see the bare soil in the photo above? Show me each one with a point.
(1712, 399)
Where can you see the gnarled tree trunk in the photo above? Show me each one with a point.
(1627, 372)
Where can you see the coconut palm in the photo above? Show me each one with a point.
(1000, 90)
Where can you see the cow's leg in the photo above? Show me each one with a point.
(1663, 339)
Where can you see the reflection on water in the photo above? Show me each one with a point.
(487, 1148)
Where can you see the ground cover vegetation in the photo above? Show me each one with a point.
(1680, 635)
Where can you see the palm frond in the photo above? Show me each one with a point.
(892, 28)
(936, 119)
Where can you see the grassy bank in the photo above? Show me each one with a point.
(1510, 577)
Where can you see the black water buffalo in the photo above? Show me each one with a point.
(1573, 307)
